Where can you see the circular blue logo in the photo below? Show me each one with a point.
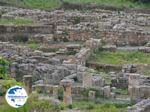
(16, 96)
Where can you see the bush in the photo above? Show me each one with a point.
(70, 106)
(6, 84)
(3, 68)
(90, 106)
(34, 104)
(62, 106)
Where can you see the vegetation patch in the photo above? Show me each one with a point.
(147, 72)
(104, 107)
(121, 91)
(3, 68)
(42, 4)
(33, 104)
(52, 4)
(115, 3)
(106, 76)
(7, 83)
(38, 4)
(31, 45)
(120, 57)
(17, 21)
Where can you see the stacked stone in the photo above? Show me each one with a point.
(142, 106)
(87, 80)
(120, 82)
(98, 81)
(144, 49)
(129, 68)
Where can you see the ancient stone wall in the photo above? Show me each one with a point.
(77, 92)
(107, 67)
(119, 38)
(16, 33)
(125, 37)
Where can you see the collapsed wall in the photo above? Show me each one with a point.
(143, 106)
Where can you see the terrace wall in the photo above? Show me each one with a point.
(13, 33)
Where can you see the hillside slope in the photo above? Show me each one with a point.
(114, 3)
(51, 4)
(39, 4)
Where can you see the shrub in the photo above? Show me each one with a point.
(70, 106)
(62, 106)
(6, 84)
(90, 106)
(3, 68)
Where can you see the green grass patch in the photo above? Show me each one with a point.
(38, 4)
(115, 3)
(120, 57)
(17, 21)
(147, 72)
(104, 107)
(52, 4)
(31, 45)
(121, 91)
(33, 104)
(106, 76)
(34, 46)
(42, 4)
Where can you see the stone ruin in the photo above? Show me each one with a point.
(66, 84)
(143, 106)
(139, 87)
(75, 35)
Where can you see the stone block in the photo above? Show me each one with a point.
(107, 91)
